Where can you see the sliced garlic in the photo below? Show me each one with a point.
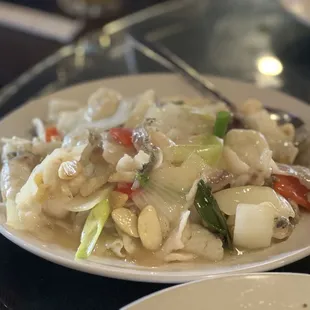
(126, 221)
(149, 229)
(118, 200)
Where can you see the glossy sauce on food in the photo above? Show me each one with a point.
(67, 238)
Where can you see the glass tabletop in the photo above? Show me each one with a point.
(252, 40)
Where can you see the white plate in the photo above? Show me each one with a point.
(295, 248)
(274, 291)
(299, 8)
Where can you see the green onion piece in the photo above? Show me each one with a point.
(205, 140)
(142, 178)
(93, 228)
(221, 123)
(178, 102)
(210, 213)
(179, 153)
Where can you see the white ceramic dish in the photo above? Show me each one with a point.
(295, 248)
(299, 8)
(274, 291)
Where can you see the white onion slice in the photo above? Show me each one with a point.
(165, 200)
(79, 203)
(119, 118)
(253, 226)
(228, 199)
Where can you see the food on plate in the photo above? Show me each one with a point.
(158, 179)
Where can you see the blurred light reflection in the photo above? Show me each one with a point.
(269, 65)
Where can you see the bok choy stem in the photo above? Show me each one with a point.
(209, 211)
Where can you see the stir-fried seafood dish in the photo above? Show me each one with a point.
(172, 179)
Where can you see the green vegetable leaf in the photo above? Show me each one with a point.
(142, 178)
(210, 213)
(221, 123)
(93, 228)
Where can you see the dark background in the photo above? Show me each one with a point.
(19, 51)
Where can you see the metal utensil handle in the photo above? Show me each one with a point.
(181, 67)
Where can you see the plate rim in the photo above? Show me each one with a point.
(161, 276)
(298, 17)
(207, 280)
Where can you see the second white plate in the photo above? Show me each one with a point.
(274, 291)
(293, 249)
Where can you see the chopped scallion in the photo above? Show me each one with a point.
(221, 123)
(210, 213)
(93, 228)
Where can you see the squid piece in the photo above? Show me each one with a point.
(56, 195)
(246, 154)
(170, 119)
(116, 245)
(204, 244)
(14, 175)
(15, 172)
(102, 103)
(144, 102)
(130, 244)
(279, 138)
(178, 236)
